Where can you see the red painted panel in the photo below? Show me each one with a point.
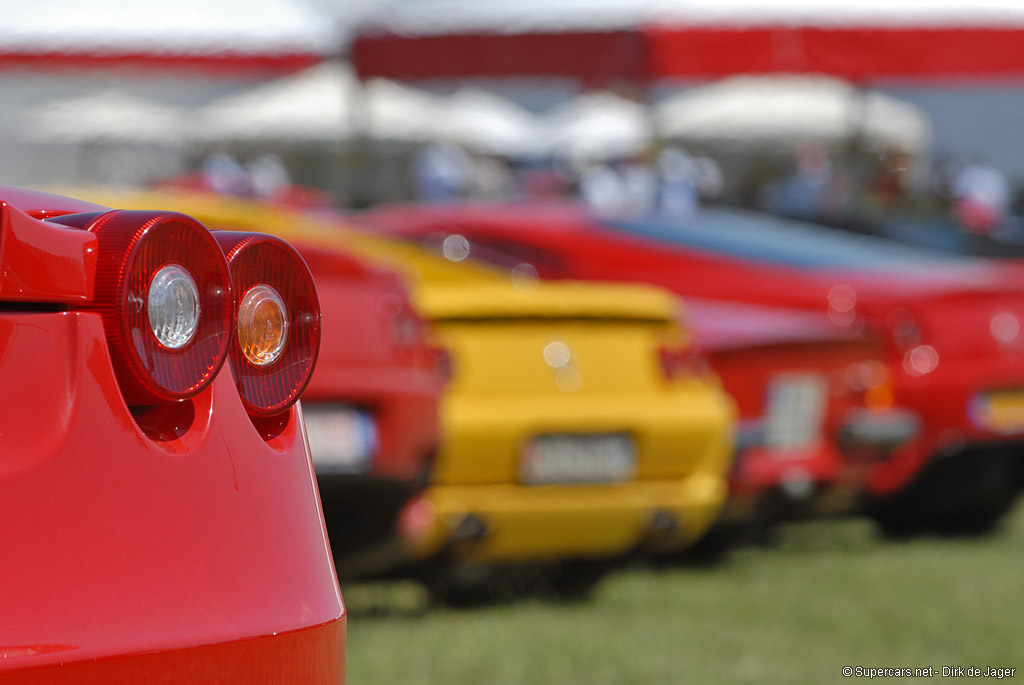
(44, 262)
(309, 655)
(118, 541)
(167, 543)
(212, 63)
(594, 57)
(854, 52)
(705, 51)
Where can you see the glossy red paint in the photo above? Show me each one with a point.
(310, 655)
(165, 543)
(44, 262)
(953, 310)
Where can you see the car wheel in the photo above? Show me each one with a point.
(963, 495)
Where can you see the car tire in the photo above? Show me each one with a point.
(966, 494)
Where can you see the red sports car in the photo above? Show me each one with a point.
(787, 372)
(941, 418)
(160, 506)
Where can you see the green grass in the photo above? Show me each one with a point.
(829, 594)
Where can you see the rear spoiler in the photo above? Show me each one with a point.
(544, 300)
(42, 261)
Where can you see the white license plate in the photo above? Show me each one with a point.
(795, 410)
(342, 439)
(550, 459)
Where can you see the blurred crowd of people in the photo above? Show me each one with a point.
(869, 192)
(863, 190)
(673, 182)
(263, 176)
(860, 189)
(971, 191)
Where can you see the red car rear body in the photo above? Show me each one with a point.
(169, 543)
(757, 352)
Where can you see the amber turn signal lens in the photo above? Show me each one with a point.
(262, 325)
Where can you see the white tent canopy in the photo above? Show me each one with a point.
(326, 103)
(488, 122)
(111, 115)
(390, 111)
(322, 104)
(312, 105)
(173, 26)
(785, 109)
(598, 125)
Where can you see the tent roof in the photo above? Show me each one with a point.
(239, 34)
(598, 125)
(326, 103)
(311, 105)
(789, 108)
(608, 41)
(426, 17)
(108, 115)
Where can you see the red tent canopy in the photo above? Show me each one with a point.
(656, 52)
(593, 57)
(215, 63)
(857, 53)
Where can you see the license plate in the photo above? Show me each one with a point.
(550, 459)
(795, 411)
(342, 439)
(1000, 412)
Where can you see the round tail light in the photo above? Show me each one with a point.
(277, 336)
(164, 290)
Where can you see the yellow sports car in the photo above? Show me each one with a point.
(576, 426)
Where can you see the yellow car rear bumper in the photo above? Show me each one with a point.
(511, 523)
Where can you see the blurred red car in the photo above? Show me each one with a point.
(371, 408)
(160, 507)
(786, 371)
(941, 419)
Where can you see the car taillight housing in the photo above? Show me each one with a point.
(443, 365)
(277, 331)
(164, 292)
(682, 359)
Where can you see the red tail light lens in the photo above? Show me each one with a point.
(164, 291)
(681, 360)
(277, 336)
(442, 362)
